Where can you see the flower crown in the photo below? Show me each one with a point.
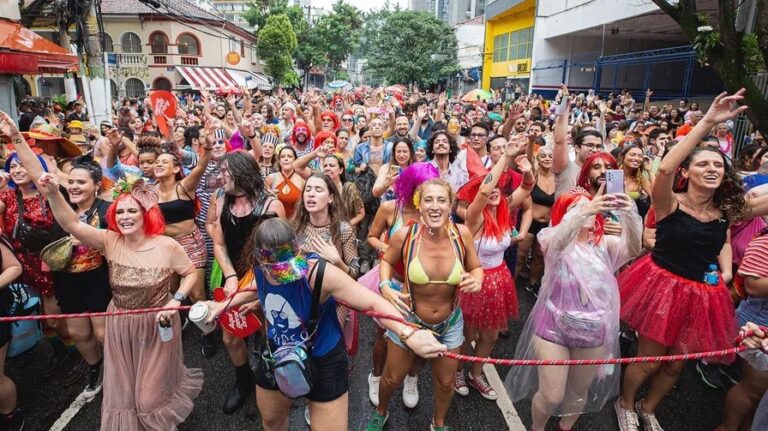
(145, 194)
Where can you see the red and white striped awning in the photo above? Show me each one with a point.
(207, 78)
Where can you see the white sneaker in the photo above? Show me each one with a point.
(306, 416)
(373, 389)
(411, 391)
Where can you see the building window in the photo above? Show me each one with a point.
(161, 83)
(500, 45)
(188, 44)
(134, 88)
(108, 45)
(234, 45)
(130, 43)
(520, 44)
(158, 42)
(113, 89)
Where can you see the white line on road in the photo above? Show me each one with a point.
(505, 404)
(70, 412)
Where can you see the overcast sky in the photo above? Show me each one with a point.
(364, 5)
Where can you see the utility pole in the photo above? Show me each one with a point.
(70, 87)
(99, 102)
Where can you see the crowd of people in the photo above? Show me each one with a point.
(301, 208)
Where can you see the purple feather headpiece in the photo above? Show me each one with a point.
(411, 178)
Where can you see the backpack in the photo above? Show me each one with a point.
(25, 334)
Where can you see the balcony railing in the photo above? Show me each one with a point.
(132, 59)
(189, 61)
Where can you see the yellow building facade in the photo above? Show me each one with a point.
(508, 43)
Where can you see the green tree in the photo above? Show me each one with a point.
(260, 10)
(336, 34)
(276, 43)
(406, 46)
(733, 53)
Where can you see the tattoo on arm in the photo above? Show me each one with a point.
(488, 179)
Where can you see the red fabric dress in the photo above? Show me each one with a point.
(37, 214)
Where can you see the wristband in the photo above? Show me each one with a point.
(406, 334)
(527, 184)
(385, 283)
(230, 276)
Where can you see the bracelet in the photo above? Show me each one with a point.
(230, 276)
(385, 283)
(406, 334)
(531, 184)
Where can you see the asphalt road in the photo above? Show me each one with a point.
(690, 406)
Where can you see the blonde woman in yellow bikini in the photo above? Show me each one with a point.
(429, 298)
(637, 179)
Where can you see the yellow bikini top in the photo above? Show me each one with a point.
(417, 275)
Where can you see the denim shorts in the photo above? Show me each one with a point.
(753, 310)
(451, 330)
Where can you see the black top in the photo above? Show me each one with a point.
(178, 209)
(540, 197)
(687, 246)
(237, 230)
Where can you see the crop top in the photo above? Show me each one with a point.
(686, 246)
(177, 210)
(417, 275)
(540, 197)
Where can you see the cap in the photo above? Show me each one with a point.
(75, 124)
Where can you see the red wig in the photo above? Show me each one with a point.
(583, 179)
(154, 224)
(335, 118)
(565, 200)
(300, 125)
(494, 225)
(322, 136)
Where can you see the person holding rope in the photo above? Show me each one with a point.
(671, 296)
(146, 383)
(576, 315)
(297, 294)
(430, 301)
(240, 205)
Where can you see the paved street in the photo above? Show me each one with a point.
(692, 406)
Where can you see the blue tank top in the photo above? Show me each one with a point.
(288, 307)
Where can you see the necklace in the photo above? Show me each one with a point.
(706, 211)
(319, 227)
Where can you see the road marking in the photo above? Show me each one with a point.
(503, 401)
(70, 412)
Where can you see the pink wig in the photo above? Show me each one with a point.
(411, 178)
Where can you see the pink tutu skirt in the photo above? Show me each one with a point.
(495, 304)
(685, 315)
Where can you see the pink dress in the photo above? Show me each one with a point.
(146, 385)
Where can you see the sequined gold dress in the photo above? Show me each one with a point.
(146, 385)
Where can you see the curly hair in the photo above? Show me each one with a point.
(639, 172)
(300, 220)
(453, 147)
(729, 196)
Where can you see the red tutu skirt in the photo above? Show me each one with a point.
(676, 312)
(496, 303)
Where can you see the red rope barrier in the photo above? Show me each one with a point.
(465, 358)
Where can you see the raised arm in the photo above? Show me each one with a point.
(191, 181)
(27, 157)
(301, 165)
(720, 111)
(560, 150)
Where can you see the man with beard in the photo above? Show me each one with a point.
(477, 141)
(422, 127)
(401, 129)
(241, 204)
(585, 144)
(301, 139)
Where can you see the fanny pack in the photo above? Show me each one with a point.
(582, 327)
(291, 364)
(32, 239)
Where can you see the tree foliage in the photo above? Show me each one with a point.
(732, 52)
(275, 45)
(336, 34)
(260, 10)
(406, 46)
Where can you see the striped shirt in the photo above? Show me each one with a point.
(755, 261)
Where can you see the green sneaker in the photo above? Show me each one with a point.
(432, 427)
(377, 422)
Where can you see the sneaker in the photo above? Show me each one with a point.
(628, 420)
(710, 375)
(649, 419)
(377, 422)
(432, 427)
(480, 383)
(411, 391)
(373, 389)
(94, 383)
(306, 416)
(460, 384)
(732, 373)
